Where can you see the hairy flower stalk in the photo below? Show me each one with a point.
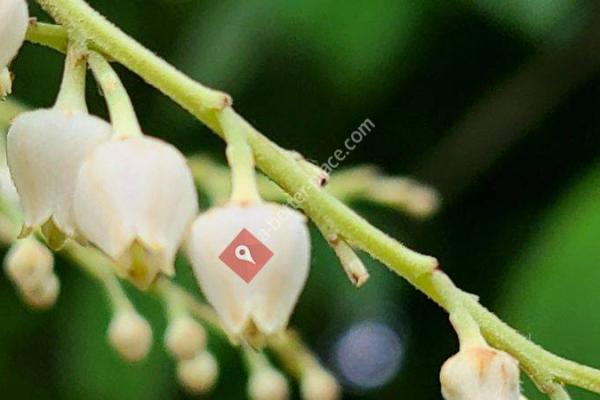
(14, 18)
(45, 149)
(184, 337)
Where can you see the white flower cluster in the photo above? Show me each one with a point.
(133, 197)
(78, 177)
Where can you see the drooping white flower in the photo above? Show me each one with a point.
(45, 149)
(480, 372)
(14, 18)
(251, 297)
(135, 199)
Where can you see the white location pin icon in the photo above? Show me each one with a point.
(242, 252)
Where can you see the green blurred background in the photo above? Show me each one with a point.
(494, 102)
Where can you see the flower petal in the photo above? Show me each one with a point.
(45, 149)
(276, 288)
(135, 188)
(14, 19)
(228, 293)
(269, 298)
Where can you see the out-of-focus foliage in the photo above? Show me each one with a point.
(553, 294)
(539, 20)
(307, 72)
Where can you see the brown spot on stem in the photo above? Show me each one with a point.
(333, 239)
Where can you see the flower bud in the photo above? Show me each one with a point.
(185, 337)
(251, 306)
(14, 19)
(319, 384)
(405, 193)
(480, 372)
(135, 199)
(199, 374)
(45, 149)
(43, 295)
(29, 264)
(130, 334)
(267, 384)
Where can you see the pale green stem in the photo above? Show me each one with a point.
(212, 178)
(558, 392)
(77, 16)
(174, 305)
(49, 35)
(352, 184)
(240, 158)
(99, 267)
(122, 114)
(201, 311)
(293, 354)
(319, 176)
(71, 96)
(467, 330)
(255, 361)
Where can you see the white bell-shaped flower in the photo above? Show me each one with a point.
(251, 263)
(14, 18)
(135, 199)
(45, 149)
(480, 372)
